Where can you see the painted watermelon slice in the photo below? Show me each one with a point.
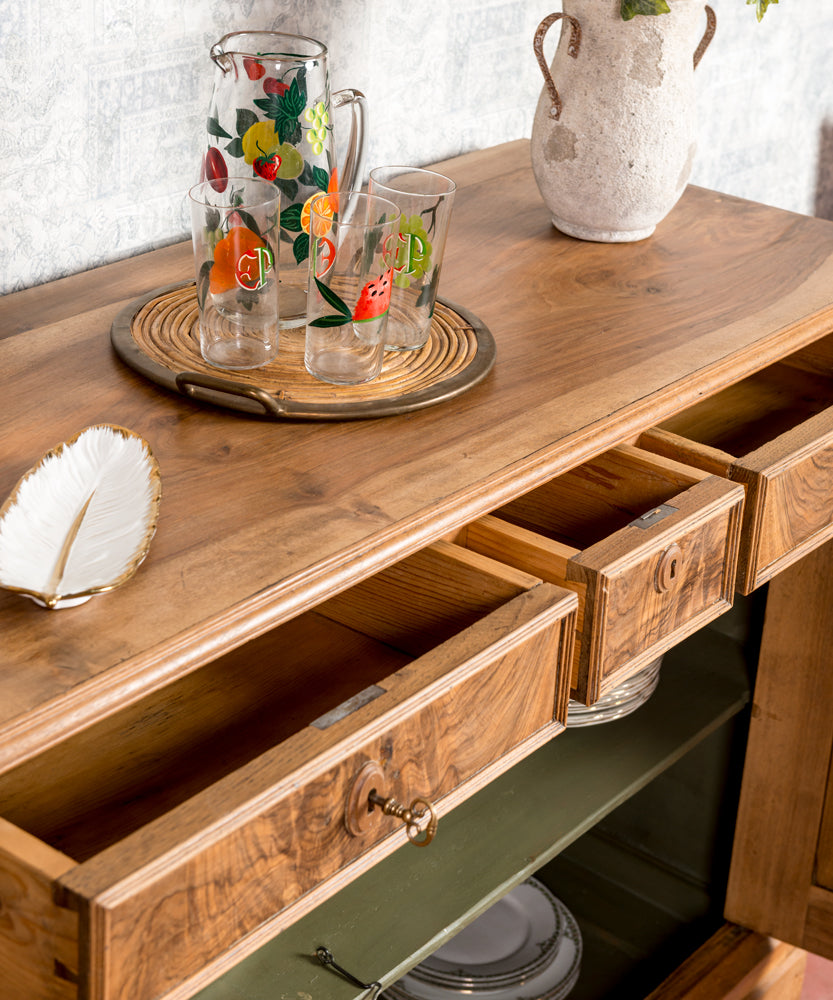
(374, 300)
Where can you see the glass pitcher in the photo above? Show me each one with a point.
(271, 116)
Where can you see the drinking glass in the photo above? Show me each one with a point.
(235, 227)
(352, 252)
(425, 199)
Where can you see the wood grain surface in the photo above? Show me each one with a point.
(737, 964)
(261, 521)
(37, 938)
(788, 758)
(625, 619)
(243, 852)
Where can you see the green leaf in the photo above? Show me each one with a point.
(301, 80)
(321, 178)
(202, 282)
(213, 127)
(246, 298)
(630, 8)
(761, 6)
(301, 248)
(245, 119)
(212, 218)
(293, 100)
(330, 321)
(332, 299)
(291, 218)
(235, 147)
(428, 289)
(306, 177)
(249, 222)
(270, 106)
(288, 129)
(289, 189)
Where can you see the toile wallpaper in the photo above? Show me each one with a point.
(103, 105)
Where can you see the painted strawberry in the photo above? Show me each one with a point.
(273, 86)
(254, 68)
(267, 165)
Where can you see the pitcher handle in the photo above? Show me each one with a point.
(353, 168)
(705, 41)
(573, 47)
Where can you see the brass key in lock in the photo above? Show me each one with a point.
(420, 818)
(412, 816)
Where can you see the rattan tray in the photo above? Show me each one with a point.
(157, 335)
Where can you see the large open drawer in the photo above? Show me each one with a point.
(147, 853)
(773, 432)
(648, 545)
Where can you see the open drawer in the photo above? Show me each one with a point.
(773, 432)
(648, 545)
(144, 855)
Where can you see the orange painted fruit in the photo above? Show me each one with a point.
(323, 208)
(235, 244)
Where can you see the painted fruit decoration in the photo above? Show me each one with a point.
(215, 170)
(374, 302)
(285, 137)
(267, 165)
(254, 69)
(239, 244)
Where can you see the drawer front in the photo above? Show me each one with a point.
(789, 506)
(644, 595)
(166, 906)
(642, 589)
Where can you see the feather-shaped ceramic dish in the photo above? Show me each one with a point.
(80, 521)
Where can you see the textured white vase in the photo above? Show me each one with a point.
(614, 133)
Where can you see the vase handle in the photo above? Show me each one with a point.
(573, 47)
(705, 41)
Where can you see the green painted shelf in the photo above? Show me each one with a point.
(406, 906)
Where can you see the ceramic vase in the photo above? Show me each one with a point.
(614, 134)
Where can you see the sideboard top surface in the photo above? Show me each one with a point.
(261, 520)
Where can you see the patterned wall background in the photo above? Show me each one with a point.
(103, 103)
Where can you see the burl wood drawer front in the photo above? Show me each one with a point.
(773, 433)
(648, 545)
(171, 841)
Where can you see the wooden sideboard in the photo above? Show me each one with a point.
(423, 592)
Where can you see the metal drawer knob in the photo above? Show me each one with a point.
(420, 817)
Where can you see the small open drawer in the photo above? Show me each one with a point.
(773, 432)
(151, 851)
(648, 545)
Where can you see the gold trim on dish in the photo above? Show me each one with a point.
(54, 600)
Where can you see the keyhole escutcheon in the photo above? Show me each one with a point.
(669, 569)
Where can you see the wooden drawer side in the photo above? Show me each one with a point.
(38, 939)
(172, 898)
(789, 486)
(428, 597)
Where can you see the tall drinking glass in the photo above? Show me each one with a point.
(425, 199)
(352, 253)
(235, 229)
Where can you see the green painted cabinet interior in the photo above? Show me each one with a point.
(628, 822)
